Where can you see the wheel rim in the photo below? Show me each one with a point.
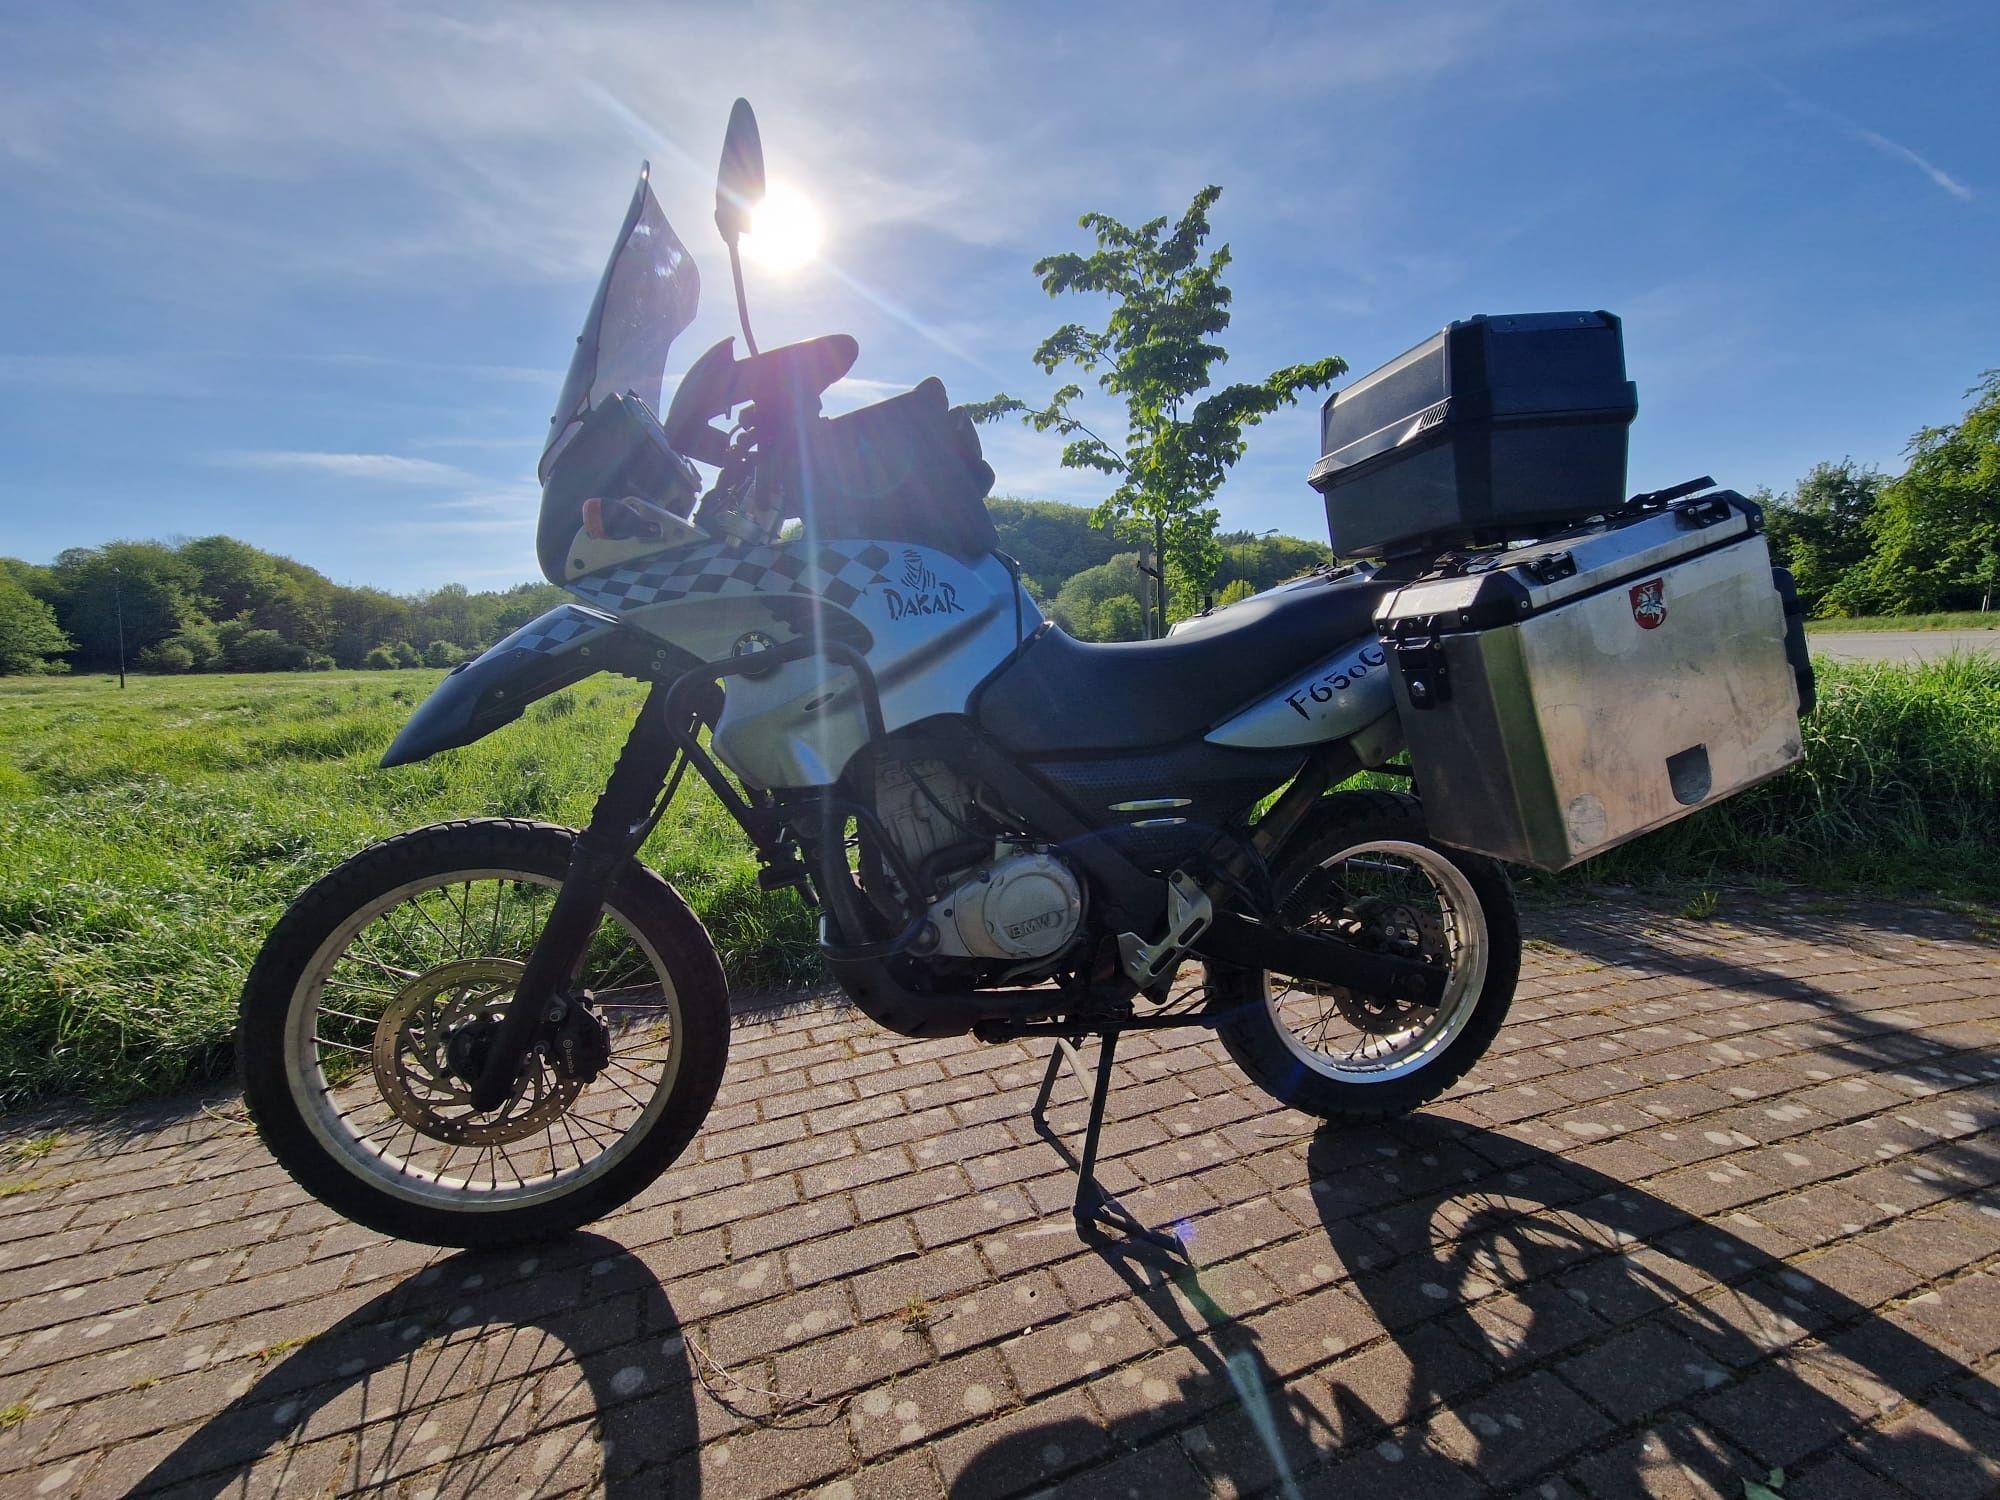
(1399, 897)
(369, 1026)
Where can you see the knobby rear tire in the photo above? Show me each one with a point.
(1257, 1038)
(640, 900)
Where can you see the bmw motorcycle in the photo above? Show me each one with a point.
(495, 1030)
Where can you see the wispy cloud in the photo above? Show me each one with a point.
(384, 468)
(1901, 152)
(510, 501)
(1895, 150)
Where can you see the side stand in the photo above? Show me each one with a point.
(1093, 1207)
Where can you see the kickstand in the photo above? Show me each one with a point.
(1093, 1207)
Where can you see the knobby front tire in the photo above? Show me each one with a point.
(379, 976)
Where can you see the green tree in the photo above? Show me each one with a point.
(156, 589)
(1235, 592)
(1103, 603)
(30, 639)
(233, 577)
(39, 581)
(1937, 531)
(1264, 561)
(201, 643)
(1156, 352)
(168, 657)
(245, 648)
(379, 659)
(364, 618)
(1050, 541)
(1119, 618)
(1823, 532)
(442, 654)
(298, 605)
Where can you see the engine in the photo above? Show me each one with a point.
(989, 895)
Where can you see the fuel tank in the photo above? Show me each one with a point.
(930, 627)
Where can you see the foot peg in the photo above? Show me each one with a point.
(1189, 911)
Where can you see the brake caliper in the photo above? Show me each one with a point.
(582, 1041)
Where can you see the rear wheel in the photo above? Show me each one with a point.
(375, 998)
(1367, 871)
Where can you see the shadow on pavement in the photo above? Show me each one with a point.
(1491, 1266)
(588, 1384)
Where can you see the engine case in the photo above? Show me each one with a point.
(1026, 904)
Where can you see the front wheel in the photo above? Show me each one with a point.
(1367, 871)
(375, 995)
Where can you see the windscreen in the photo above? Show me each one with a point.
(648, 294)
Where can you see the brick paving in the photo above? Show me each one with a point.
(1721, 1200)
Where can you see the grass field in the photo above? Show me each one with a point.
(1968, 619)
(149, 838)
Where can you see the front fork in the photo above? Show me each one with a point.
(624, 815)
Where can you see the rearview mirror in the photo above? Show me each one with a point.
(739, 181)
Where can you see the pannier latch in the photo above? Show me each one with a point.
(1420, 659)
(1548, 569)
(1696, 515)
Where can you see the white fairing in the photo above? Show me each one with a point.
(931, 628)
(1338, 697)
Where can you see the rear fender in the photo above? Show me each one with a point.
(566, 645)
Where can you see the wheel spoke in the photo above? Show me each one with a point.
(409, 978)
(1401, 899)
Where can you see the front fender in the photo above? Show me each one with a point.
(565, 645)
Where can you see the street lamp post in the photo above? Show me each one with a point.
(118, 603)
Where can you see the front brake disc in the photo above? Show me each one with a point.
(412, 1064)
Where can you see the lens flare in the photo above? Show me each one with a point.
(785, 230)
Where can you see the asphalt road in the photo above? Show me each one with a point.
(1900, 645)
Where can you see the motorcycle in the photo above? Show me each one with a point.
(493, 1030)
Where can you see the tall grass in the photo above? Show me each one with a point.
(149, 839)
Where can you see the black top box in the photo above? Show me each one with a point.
(1492, 430)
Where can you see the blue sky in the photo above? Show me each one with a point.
(308, 274)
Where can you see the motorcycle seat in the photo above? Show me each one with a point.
(1062, 695)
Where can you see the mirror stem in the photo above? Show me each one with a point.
(742, 303)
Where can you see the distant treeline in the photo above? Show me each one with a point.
(1093, 589)
(1861, 542)
(219, 605)
(216, 604)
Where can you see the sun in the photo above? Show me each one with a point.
(785, 230)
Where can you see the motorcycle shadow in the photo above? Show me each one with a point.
(523, 1370)
(1513, 1284)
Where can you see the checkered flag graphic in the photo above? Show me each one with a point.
(554, 630)
(837, 572)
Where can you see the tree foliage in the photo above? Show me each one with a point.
(1103, 603)
(216, 604)
(1937, 530)
(30, 639)
(1927, 539)
(1051, 541)
(1156, 353)
(1821, 531)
